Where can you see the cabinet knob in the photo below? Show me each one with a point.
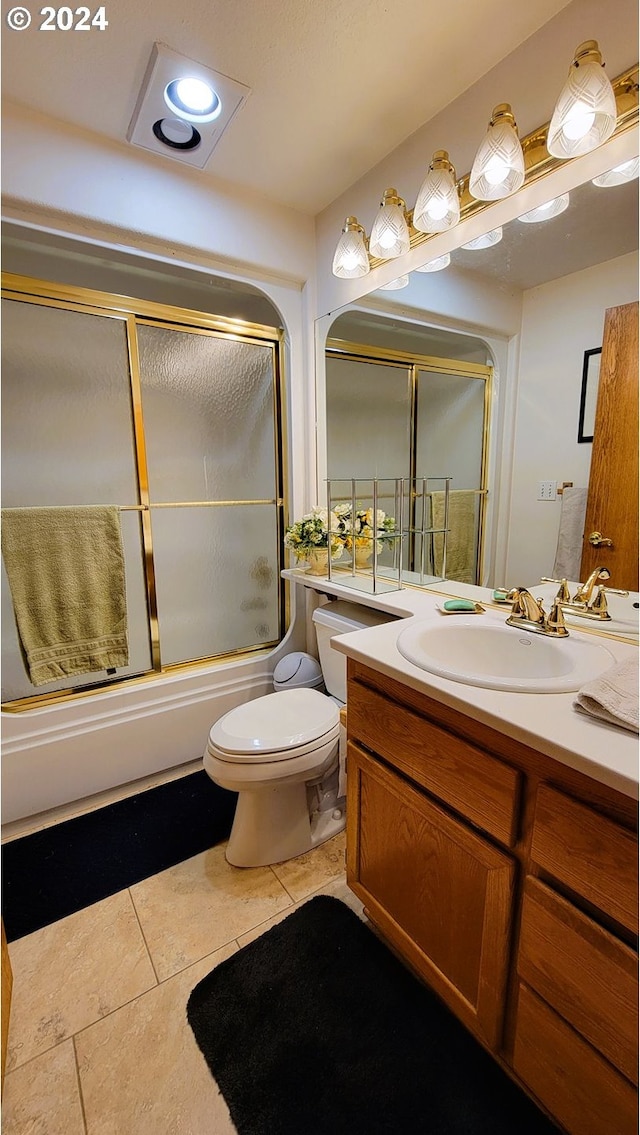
(600, 541)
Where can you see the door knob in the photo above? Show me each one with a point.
(600, 541)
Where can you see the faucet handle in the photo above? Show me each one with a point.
(599, 605)
(564, 595)
(554, 623)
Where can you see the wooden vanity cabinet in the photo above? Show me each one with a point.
(441, 892)
(508, 882)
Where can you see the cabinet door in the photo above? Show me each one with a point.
(441, 893)
(583, 1091)
(586, 974)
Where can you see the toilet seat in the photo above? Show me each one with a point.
(276, 727)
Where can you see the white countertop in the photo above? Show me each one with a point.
(606, 753)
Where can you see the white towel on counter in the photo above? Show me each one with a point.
(613, 697)
(570, 534)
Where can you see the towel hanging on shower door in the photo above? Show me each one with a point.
(66, 573)
(462, 538)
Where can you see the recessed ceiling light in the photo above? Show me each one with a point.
(547, 211)
(192, 99)
(178, 90)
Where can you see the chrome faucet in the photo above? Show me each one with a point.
(528, 614)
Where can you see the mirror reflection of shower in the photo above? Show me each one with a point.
(407, 409)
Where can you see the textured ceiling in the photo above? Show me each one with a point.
(336, 84)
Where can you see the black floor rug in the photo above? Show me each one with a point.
(316, 1029)
(52, 873)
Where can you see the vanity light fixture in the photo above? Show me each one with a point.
(589, 110)
(585, 113)
(627, 171)
(498, 167)
(390, 232)
(395, 285)
(350, 259)
(438, 205)
(486, 240)
(436, 265)
(547, 211)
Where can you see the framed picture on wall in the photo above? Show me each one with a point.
(589, 394)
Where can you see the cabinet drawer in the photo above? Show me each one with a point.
(438, 890)
(591, 854)
(589, 976)
(581, 1089)
(477, 785)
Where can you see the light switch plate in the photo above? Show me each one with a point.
(547, 490)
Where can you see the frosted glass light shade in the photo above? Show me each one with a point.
(437, 264)
(390, 232)
(547, 211)
(486, 240)
(585, 114)
(627, 171)
(394, 285)
(350, 259)
(498, 167)
(437, 207)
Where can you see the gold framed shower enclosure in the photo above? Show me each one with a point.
(154, 322)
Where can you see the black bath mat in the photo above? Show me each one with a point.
(52, 873)
(317, 1029)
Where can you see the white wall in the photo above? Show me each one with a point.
(561, 321)
(116, 191)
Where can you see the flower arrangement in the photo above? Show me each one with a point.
(317, 529)
(361, 529)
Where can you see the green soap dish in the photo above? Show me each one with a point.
(501, 595)
(461, 607)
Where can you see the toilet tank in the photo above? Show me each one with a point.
(335, 619)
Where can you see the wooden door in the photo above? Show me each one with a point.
(440, 893)
(612, 503)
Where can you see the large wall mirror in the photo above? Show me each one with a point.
(395, 411)
(555, 280)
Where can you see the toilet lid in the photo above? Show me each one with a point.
(280, 725)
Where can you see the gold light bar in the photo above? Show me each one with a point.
(537, 159)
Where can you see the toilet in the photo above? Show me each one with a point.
(281, 754)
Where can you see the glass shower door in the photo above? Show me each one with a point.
(368, 418)
(67, 440)
(210, 413)
(451, 442)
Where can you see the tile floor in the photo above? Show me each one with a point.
(99, 1042)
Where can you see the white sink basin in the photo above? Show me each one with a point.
(501, 657)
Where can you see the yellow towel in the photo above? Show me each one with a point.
(66, 572)
(461, 537)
